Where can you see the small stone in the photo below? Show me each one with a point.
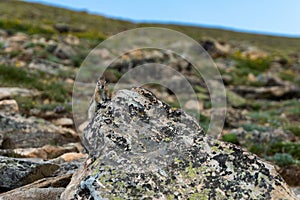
(194, 105)
(9, 106)
(19, 37)
(72, 40)
(252, 78)
(63, 122)
(68, 157)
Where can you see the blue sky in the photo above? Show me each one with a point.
(275, 17)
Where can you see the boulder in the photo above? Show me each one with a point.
(34, 193)
(45, 152)
(11, 92)
(141, 148)
(18, 172)
(46, 188)
(21, 132)
(47, 66)
(272, 92)
(64, 52)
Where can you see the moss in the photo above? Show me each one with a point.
(170, 197)
(191, 172)
(230, 137)
(204, 194)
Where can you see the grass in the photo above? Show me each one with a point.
(21, 26)
(283, 159)
(282, 153)
(256, 66)
(52, 88)
(245, 66)
(291, 148)
(288, 75)
(251, 127)
(230, 137)
(36, 18)
(295, 129)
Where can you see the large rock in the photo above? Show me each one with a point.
(215, 48)
(20, 132)
(46, 188)
(9, 106)
(18, 172)
(273, 88)
(47, 66)
(11, 92)
(45, 152)
(35, 193)
(140, 148)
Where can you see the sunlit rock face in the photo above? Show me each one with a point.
(141, 148)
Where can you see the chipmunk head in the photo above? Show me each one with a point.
(101, 84)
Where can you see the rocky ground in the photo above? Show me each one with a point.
(40, 148)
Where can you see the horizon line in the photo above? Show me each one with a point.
(166, 22)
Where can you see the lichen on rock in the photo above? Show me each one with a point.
(141, 148)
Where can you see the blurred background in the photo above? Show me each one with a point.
(255, 45)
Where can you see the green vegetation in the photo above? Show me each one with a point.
(288, 75)
(51, 87)
(285, 147)
(245, 66)
(36, 18)
(230, 137)
(295, 129)
(271, 116)
(283, 159)
(235, 100)
(282, 153)
(18, 25)
(258, 149)
(256, 66)
(251, 127)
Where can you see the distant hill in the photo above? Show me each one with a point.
(38, 18)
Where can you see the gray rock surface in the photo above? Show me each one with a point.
(18, 172)
(140, 148)
(21, 132)
(272, 92)
(11, 92)
(9, 106)
(35, 193)
(46, 188)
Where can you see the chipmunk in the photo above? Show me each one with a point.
(100, 97)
